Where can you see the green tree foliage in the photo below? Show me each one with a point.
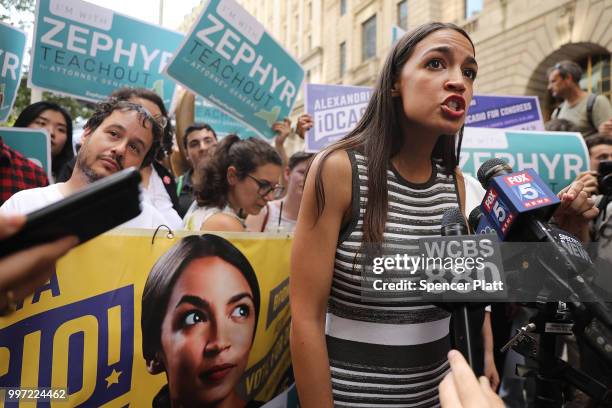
(76, 108)
(9, 7)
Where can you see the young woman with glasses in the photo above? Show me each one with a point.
(238, 180)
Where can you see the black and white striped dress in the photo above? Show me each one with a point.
(388, 352)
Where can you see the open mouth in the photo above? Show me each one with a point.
(453, 107)
(454, 103)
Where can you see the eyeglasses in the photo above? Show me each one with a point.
(265, 188)
(161, 120)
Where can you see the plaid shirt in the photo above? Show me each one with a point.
(17, 173)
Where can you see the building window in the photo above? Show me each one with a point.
(308, 76)
(309, 11)
(368, 38)
(309, 39)
(342, 7)
(402, 14)
(342, 58)
(596, 75)
(472, 7)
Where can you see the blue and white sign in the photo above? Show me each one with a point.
(87, 51)
(34, 144)
(557, 157)
(229, 59)
(335, 110)
(221, 122)
(510, 112)
(12, 48)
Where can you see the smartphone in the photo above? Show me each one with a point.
(99, 207)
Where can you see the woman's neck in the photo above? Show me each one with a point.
(413, 161)
(233, 203)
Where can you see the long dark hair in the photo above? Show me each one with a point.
(377, 136)
(211, 186)
(168, 269)
(127, 93)
(29, 115)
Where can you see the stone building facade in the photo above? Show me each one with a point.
(346, 41)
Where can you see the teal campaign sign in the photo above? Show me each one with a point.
(557, 157)
(12, 48)
(229, 59)
(32, 143)
(221, 122)
(88, 51)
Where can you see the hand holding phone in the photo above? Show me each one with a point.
(101, 206)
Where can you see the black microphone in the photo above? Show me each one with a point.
(474, 219)
(453, 224)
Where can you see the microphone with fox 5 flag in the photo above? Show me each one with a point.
(453, 224)
(515, 200)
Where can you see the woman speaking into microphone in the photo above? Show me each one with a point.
(386, 184)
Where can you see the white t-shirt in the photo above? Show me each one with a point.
(26, 201)
(156, 195)
(474, 193)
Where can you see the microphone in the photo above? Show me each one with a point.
(453, 224)
(478, 223)
(515, 201)
(516, 205)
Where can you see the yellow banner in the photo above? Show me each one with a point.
(213, 329)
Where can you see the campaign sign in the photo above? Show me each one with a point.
(510, 112)
(221, 122)
(32, 143)
(230, 59)
(557, 157)
(87, 51)
(335, 110)
(12, 48)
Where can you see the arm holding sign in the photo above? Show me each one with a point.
(185, 114)
(304, 124)
(312, 265)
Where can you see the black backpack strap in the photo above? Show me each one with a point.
(589, 110)
(555, 112)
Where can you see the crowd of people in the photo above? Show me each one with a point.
(388, 182)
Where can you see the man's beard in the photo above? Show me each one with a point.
(87, 171)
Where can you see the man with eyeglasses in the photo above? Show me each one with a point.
(587, 111)
(118, 135)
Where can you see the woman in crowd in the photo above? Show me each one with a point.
(200, 308)
(239, 179)
(158, 182)
(58, 123)
(386, 184)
